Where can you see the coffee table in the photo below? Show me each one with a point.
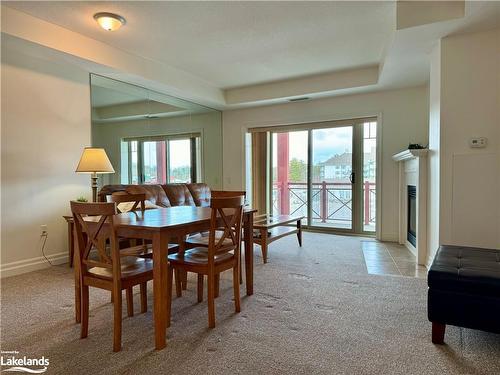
(268, 229)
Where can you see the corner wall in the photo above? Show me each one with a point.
(470, 107)
(464, 103)
(45, 125)
(404, 119)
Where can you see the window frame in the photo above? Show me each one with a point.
(196, 159)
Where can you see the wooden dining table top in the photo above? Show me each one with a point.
(161, 218)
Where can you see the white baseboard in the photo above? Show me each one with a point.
(33, 264)
(389, 237)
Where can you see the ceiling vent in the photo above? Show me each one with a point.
(301, 99)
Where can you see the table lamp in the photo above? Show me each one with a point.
(94, 160)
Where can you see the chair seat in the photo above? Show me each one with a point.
(201, 239)
(198, 256)
(130, 267)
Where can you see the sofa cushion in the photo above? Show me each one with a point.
(466, 270)
(200, 193)
(178, 195)
(154, 193)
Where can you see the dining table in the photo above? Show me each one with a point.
(160, 226)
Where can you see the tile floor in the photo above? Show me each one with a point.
(388, 258)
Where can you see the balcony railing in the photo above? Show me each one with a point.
(331, 201)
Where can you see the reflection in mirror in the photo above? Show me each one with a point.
(153, 138)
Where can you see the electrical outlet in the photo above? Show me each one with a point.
(479, 142)
(43, 229)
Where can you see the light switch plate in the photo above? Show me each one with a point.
(478, 142)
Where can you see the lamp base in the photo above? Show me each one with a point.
(94, 186)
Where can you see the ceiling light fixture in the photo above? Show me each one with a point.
(109, 21)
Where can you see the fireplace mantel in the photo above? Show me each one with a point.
(409, 154)
(413, 171)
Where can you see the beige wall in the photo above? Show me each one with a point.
(404, 119)
(45, 125)
(469, 106)
(109, 136)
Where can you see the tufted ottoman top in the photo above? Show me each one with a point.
(466, 270)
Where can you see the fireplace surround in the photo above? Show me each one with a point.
(413, 202)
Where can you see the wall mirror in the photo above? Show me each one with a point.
(153, 138)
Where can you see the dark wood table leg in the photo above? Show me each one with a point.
(299, 233)
(160, 280)
(248, 234)
(71, 243)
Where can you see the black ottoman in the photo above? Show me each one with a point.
(464, 290)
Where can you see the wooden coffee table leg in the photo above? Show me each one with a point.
(263, 244)
(299, 233)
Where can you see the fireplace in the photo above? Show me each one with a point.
(412, 229)
(412, 215)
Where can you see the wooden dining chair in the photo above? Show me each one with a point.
(201, 239)
(115, 272)
(219, 256)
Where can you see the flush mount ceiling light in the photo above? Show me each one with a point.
(109, 21)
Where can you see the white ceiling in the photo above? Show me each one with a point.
(236, 54)
(231, 44)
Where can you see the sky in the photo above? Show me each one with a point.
(326, 143)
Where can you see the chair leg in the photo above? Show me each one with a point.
(217, 285)
(144, 297)
(200, 287)
(184, 280)
(438, 330)
(130, 302)
(84, 328)
(241, 273)
(111, 299)
(178, 286)
(211, 301)
(117, 320)
(236, 287)
(169, 294)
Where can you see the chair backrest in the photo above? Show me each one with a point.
(227, 214)
(95, 235)
(138, 200)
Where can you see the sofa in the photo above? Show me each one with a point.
(464, 290)
(168, 195)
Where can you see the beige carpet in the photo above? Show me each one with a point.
(315, 311)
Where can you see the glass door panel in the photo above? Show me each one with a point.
(154, 162)
(179, 160)
(369, 175)
(289, 173)
(331, 174)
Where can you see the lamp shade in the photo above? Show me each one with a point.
(94, 160)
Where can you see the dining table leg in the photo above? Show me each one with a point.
(248, 234)
(160, 280)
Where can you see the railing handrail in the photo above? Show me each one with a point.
(277, 183)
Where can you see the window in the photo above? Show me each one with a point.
(162, 159)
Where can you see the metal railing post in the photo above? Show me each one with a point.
(323, 203)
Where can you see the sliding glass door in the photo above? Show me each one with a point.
(289, 173)
(332, 177)
(327, 174)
